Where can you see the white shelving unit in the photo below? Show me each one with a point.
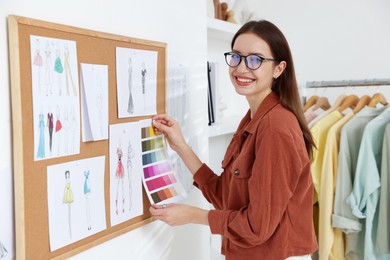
(221, 33)
(220, 29)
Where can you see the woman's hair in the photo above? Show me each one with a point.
(285, 86)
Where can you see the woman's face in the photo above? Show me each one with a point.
(254, 84)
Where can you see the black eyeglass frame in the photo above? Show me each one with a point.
(245, 58)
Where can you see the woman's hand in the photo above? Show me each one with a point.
(179, 214)
(163, 124)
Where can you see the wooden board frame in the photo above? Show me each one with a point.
(30, 193)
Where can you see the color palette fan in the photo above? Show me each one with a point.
(159, 179)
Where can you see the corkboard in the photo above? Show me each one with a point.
(31, 210)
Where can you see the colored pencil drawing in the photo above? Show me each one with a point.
(136, 72)
(78, 211)
(125, 172)
(68, 200)
(50, 57)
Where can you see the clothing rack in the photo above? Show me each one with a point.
(348, 83)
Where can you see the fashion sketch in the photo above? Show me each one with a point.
(41, 145)
(58, 129)
(50, 125)
(99, 106)
(68, 73)
(143, 73)
(38, 61)
(48, 69)
(130, 156)
(58, 68)
(130, 106)
(3, 251)
(119, 174)
(68, 200)
(87, 193)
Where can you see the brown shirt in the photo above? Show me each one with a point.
(263, 198)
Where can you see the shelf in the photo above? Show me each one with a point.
(222, 30)
(228, 125)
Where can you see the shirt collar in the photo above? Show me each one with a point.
(249, 125)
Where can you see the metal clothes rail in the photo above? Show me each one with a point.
(348, 83)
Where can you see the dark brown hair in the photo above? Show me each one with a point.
(285, 86)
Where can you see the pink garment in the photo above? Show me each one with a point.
(310, 115)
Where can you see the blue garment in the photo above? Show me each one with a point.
(41, 147)
(366, 188)
(87, 187)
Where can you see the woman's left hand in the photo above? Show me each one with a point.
(179, 214)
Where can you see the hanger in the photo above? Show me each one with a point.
(377, 98)
(322, 102)
(349, 102)
(363, 101)
(310, 102)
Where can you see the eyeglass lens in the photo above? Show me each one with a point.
(251, 61)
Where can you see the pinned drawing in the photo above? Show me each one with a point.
(94, 92)
(78, 211)
(125, 161)
(58, 56)
(136, 72)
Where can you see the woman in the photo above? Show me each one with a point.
(263, 198)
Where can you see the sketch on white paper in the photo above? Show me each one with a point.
(75, 192)
(125, 172)
(136, 72)
(94, 92)
(55, 92)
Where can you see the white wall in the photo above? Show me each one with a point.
(332, 39)
(180, 24)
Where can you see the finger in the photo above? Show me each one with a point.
(161, 127)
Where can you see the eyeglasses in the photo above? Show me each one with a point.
(252, 61)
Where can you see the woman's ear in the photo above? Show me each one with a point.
(279, 69)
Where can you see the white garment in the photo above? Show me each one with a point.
(302, 257)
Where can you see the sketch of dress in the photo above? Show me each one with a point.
(50, 125)
(68, 200)
(39, 63)
(130, 106)
(143, 73)
(120, 174)
(68, 72)
(3, 251)
(41, 145)
(57, 131)
(130, 156)
(58, 69)
(87, 192)
(48, 71)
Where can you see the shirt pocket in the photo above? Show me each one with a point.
(242, 167)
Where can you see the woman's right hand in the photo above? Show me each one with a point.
(170, 128)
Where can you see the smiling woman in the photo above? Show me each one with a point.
(263, 198)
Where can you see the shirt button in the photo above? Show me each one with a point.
(236, 172)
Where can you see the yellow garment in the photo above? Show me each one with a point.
(319, 132)
(331, 243)
(68, 196)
